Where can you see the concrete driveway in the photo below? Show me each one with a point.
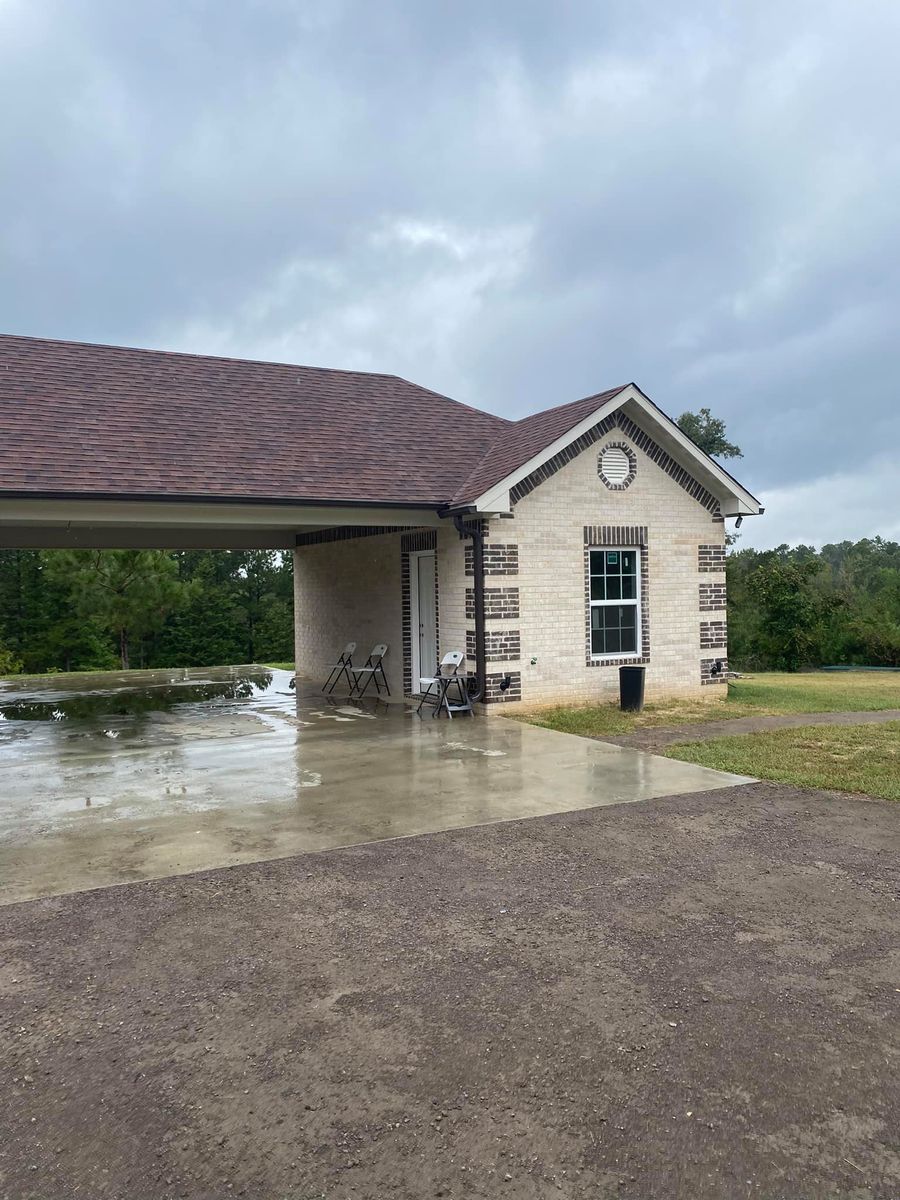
(111, 778)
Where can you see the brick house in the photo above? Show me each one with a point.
(552, 549)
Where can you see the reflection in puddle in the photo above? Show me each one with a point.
(133, 700)
(475, 749)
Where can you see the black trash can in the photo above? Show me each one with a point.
(631, 688)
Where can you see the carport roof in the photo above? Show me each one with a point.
(87, 421)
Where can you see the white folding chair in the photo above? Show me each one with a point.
(343, 666)
(372, 670)
(436, 688)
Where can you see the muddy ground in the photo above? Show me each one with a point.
(690, 997)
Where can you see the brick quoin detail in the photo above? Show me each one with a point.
(712, 596)
(501, 645)
(710, 557)
(492, 693)
(500, 604)
(713, 635)
(500, 558)
(706, 666)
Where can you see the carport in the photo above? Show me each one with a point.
(104, 448)
(49, 521)
(258, 771)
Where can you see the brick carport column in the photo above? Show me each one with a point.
(296, 577)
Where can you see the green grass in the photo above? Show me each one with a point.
(282, 666)
(818, 691)
(846, 758)
(757, 695)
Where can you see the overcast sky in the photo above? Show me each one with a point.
(516, 203)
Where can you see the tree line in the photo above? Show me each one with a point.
(797, 607)
(63, 610)
(75, 610)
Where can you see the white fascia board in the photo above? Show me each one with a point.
(728, 492)
(735, 500)
(199, 515)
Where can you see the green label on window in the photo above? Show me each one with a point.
(612, 557)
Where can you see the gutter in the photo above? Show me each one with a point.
(476, 533)
(204, 498)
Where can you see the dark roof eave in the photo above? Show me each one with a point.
(201, 498)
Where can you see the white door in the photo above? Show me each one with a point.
(424, 617)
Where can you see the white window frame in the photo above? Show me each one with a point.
(592, 604)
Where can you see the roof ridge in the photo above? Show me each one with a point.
(224, 358)
(600, 397)
(259, 362)
(482, 412)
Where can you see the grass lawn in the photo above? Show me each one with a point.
(758, 695)
(848, 758)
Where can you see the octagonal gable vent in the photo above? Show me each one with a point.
(617, 465)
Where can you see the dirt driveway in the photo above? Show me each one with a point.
(689, 997)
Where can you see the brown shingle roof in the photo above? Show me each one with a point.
(523, 439)
(81, 419)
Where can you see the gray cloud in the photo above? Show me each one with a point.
(516, 203)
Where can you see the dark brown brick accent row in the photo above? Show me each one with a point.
(712, 596)
(548, 469)
(423, 539)
(706, 666)
(500, 558)
(615, 535)
(492, 693)
(501, 645)
(710, 557)
(618, 535)
(632, 465)
(651, 448)
(342, 533)
(500, 604)
(713, 635)
(664, 460)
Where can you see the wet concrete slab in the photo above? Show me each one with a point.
(111, 778)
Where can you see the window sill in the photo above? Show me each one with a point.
(618, 660)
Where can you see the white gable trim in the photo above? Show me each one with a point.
(733, 498)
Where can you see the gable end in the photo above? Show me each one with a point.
(646, 443)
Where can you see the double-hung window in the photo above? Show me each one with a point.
(615, 602)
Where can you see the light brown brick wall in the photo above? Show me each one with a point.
(352, 588)
(549, 529)
(348, 591)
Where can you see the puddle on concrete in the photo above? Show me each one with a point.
(154, 773)
(474, 749)
(68, 701)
